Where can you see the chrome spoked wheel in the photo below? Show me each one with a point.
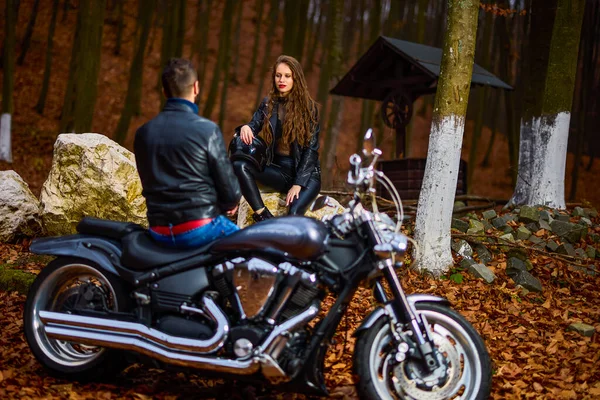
(66, 286)
(464, 370)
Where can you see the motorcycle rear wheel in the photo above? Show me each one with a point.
(57, 288)
(465, 370)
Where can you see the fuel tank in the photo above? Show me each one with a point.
(298, 237)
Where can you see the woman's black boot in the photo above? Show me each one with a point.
(266, 214)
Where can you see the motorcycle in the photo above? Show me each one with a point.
(249, 305)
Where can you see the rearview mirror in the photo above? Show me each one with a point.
(368, 143)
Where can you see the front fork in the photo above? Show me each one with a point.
(402, 313)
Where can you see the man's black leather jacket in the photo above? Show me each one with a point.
(306, 159)
(184, 168)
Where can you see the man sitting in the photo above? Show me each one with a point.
(186, 175)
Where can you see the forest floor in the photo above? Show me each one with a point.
(534, 354)
(34, 135)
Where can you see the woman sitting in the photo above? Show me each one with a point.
(287, 119)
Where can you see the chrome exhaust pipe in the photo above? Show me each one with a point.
(113, 333)
(168, 349)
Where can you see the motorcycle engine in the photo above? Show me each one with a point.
(262, 291)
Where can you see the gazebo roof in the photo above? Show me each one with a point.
(390, 64)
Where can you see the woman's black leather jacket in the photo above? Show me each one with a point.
(306, 159)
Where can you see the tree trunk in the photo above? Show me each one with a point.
(434, 211)
(28, 33)
(548, 100)
(336, 24)
(87, 77)
(66, 115)
(273, 17)
(235, 47)
(493, 127)
(291, 13)
(482, 96)
(120, 26)
(203, 50)
(368, 106)
(225, 47)
(172, 39)
(39, 107)
(312, 47)
(259, 17)
(221, 69)
(302, 31)
(588, 63)
(66, 8)
(180, 31)
(393, 22)
(8, 79)
(134, 88)
(421, 21)
(325, 67)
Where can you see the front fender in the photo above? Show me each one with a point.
(105, 252)
(380, 312)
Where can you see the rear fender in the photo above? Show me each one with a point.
(106, 253)
(381, 312)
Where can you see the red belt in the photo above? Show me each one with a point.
(180, 228)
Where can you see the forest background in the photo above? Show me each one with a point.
(122, 45)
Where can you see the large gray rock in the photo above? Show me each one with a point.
(489, 214)
(514, 266)
(529, 214)
(582, 329)
(528, 281)
(19, 208)
(90, 176)
(483, 253)
(462, 248)
(275, 202)
(568, 231)
(481, 271)
(459, 225)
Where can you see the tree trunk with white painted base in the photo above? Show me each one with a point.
(8, 79)
(555, 30)
(434, 212)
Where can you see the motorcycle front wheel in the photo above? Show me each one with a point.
(67, 285)
(464, 371)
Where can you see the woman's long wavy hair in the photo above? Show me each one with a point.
(300, 109)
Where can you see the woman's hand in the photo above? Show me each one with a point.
(294, 192)
(246, 134)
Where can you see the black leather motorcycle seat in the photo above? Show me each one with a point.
(300, 237)
(106, 227)
(141, 252)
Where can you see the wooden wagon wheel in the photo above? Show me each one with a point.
(396, 109)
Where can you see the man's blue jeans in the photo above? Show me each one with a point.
(217, 228)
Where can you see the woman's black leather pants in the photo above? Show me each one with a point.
(277, 176)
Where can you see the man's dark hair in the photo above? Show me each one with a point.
(178, 76)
